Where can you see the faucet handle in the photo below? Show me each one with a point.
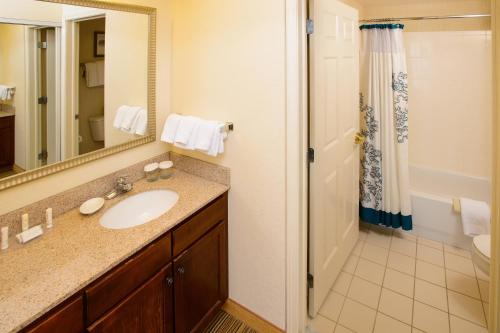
(122, 179)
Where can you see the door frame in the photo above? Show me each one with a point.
(296, 169)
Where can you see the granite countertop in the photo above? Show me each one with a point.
(7, 113)
(77, 250)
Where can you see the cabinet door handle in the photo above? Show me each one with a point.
(181, 270)
(170, 281)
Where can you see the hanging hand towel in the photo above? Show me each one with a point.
(100, 72)
(475, 217)
(140, 123)
(185, 130)
(91, 75)
(170, 128)
(206, 132)
(217, 144)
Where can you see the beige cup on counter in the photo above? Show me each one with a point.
(166, 169)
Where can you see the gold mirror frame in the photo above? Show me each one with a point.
(38, 173)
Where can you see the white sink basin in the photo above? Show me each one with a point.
(139, 209)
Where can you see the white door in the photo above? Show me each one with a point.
(334, 123)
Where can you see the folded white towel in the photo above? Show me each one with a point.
(94, 74)
(129, 118)
(186, 129)
(140, 123)
(170, 128)
(206, 132)
(476, 217)
(119, 116)
(217, 144)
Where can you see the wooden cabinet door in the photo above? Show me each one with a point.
(68, 319)
(149, 309)
(6, 143)
(200, 280)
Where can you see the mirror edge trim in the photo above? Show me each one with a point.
(51, 169)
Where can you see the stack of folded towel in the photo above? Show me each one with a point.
(94, 74)
(193, 133)
(131, 119)
(6, 92)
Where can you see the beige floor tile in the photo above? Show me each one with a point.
(430, 243)
(401, 263)
(431, 273)
(364, 292)
(431, 294)
(404, 246)
(363, 233)
(342, 329)
(458, 325)
(430, 255)
(404, 235)
(370, 271)
(321, 324)
(457, 251)
(396, 305)
(459, 264)
(466, 307)
(375, 253)
(484, 288)
(351, 263)
(351, 314)
(342, 283)
(430, 319)
(462, 283)
(481, 275)
(358, 248)
(399, 282)
(416, 330)
(386, 324)
(379, 239)
(332, 306)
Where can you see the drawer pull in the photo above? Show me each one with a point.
(181, 270)
(170, 281)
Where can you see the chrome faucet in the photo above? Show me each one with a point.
(122, 186)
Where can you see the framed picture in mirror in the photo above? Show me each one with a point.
(99, 44)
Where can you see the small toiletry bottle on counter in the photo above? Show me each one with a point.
(25, 222)
(5, 238)
(152, 172)
(166, 169)
(48, 217)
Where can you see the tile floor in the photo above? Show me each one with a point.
(394, 282)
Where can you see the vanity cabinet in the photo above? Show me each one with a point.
(176, 284)
(7, 143)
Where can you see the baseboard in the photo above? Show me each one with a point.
(249, 318)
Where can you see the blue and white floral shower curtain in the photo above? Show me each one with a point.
(384, 182)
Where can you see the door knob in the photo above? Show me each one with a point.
(359, 138)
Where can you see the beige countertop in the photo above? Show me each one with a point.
(39, 275)
(7, 113)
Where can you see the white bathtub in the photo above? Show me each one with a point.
(432, 193)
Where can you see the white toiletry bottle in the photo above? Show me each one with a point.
(5, 238)
(25, 223)
(48, 218)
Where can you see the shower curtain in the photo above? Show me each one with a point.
(384, 179)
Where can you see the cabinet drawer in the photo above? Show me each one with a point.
(7, 122)
(199, 224)
(119, 283)
(68, 319)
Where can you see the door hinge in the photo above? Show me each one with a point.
(43, 100)
(310, 155)
(310, 281)
(42, 45)
(310, 27)
(43, 155)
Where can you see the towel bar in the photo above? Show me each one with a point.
(228, 127)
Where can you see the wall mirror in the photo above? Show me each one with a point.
(77, 83)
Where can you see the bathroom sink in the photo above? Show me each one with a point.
(139, 209)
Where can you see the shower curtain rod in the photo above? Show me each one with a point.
(420, 18)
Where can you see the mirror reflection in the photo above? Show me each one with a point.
(73, 80)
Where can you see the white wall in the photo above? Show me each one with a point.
(229, 65)
(20, 196)
(450, 85)
(31, 10)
